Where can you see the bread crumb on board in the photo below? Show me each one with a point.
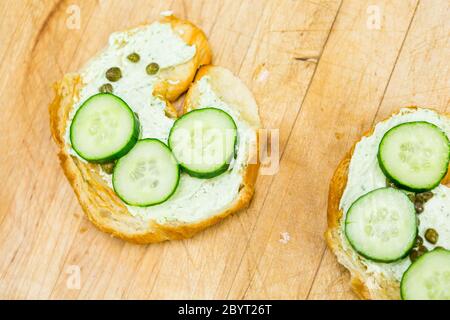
(261, 73)
(285, 237)
(166, 13)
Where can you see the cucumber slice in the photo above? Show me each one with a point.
(414, 155)
(381, 225)
(203, 142)
(104, 128)
(147, 175)
(428, 278)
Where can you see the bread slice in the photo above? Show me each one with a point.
(360, 280)
(99, 202)
(366, 285)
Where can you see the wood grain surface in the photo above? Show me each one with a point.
(322, 72)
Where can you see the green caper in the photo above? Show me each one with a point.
(412, 197)
(424, 196)
(431, 235)
(419, 241)
(422, 249)
(108, 167)
(416, 253)
(152, 68)
(418, 206)
(113, 74)
(413, 255)
(134, 57)
(106, 88)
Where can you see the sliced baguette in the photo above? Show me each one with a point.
(360, 279)
(365, 285)
(99, 202)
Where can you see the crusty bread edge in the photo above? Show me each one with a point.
(382, 288)
(65, 93)
(191, 35)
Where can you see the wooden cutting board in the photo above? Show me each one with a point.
(322, 72)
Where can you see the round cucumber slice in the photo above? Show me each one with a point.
(203, 141)
(147, 175)
(104, 128)
(428, 278)
(414, 155)
(381, 225)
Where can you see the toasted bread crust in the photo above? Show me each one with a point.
(184, 73)
(333, 236)
(99, 202)
(362, 284)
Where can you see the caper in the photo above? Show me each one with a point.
(419, 241)
(412, 197)
(422, 249)
(108, 167)
(413, 255)
(418, 206)
(106, 88)
(431, 235)
(134, 57)
(152, 68)
(113, 74)
(424, 196)
(416, 253)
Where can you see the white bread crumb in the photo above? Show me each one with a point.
(263, 75)
(285, 237)
(166, 13)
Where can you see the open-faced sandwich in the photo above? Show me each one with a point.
(141, 172)
(389, 209)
